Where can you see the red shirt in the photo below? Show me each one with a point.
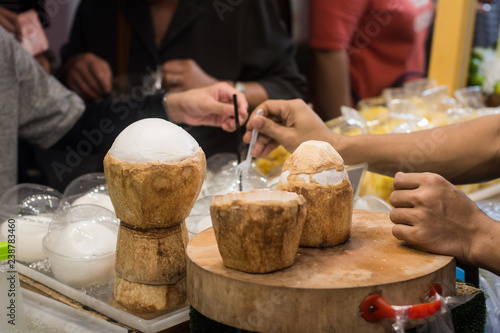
(383, 38)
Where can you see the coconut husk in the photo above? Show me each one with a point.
(257, 236)
(150, 195)
(313, 157)
(152, 256)
(143, 298)
(329, 211)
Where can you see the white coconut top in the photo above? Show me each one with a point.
(325, 177)
(263, 195)
(153, 140)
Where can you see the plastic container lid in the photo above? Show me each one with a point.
(4, 251)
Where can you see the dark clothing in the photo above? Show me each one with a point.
(247, 43)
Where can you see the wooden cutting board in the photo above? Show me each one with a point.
(322, 291)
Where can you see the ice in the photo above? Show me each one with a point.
(30, 231)
(81, 245)
(94, 198)
(82, 239)
(153, 139)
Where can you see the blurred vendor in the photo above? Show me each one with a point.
(361, 47)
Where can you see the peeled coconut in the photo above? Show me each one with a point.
(154, 172)
(144, 298)
(153, 256)
(258, 231)
(316, 171)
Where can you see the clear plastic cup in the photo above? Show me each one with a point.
(81, 245)
(31, 207)
(89, 189)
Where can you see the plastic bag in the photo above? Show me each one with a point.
(441, 322)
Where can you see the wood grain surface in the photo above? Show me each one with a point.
(322, 291)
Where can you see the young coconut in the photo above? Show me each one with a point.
(316, 171)
(144, 298)
(258, 231)
(154, 171)
(152, 256)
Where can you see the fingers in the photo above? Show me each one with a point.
(89, 76)
(264, 146)
(407, 216)
(80, 85)
(225, 112)
(401, 198)
(102, 76)
(222, 93)
(173, 78)
(407, 181)
(172, 81)
(174, 66)
(266, 127)
(403, 232)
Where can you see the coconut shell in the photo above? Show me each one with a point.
(313, 157)
(257, 236)
(150, 195)
(329, 211)
(153, 256)
(143, 298)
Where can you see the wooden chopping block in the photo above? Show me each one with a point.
(323, 290)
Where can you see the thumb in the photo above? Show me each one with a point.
(269, 128)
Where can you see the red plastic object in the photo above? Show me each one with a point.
(374, 307)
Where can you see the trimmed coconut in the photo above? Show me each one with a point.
(258, 231)
(316, 171)
(154, 172)
(153, 256)
(144, 298)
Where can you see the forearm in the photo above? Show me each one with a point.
(462, 153)
(255, 94)
(330, 82)
(485, 252)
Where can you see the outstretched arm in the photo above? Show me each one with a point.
(462, 153)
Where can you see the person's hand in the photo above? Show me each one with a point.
(184, 74)
(288, 123)
(434, 214)
(209, 106)
(42, 59)
(89, 76)
(10, 22)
